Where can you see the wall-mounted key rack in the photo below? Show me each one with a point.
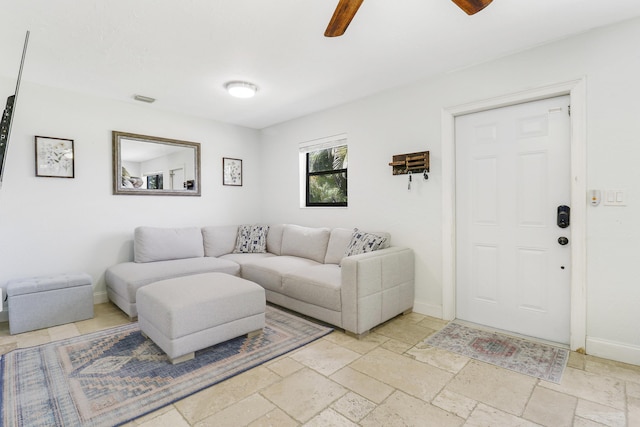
(403, 164)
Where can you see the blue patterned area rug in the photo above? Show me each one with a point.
(526, 357)
(110, 377)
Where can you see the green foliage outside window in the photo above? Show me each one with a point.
(154, 182)
(327, 177)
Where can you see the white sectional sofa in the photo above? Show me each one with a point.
(304, 269)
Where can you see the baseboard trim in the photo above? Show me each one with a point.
(613, 350)
(428, 309)
(100, 298)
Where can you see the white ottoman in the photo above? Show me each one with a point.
(189, 313)
(42, 302)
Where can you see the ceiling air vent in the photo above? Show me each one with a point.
(143, 98)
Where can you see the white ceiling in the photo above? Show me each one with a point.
(183, 51)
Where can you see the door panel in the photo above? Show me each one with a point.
(532, 198)
(486, 273)
(512, 171)
(531, 279)
(485, 186)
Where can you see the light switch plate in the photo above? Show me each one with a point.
(615, 198)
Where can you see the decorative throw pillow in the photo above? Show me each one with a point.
(251, 239)
(362, 242)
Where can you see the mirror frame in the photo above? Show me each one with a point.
(117, 136)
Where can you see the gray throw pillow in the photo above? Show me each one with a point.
(251, 239)
(362, 242)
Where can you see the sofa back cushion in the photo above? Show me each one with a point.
(274, 239)
(305, 242)
(219, 240)
(340, 240)
(160, 244)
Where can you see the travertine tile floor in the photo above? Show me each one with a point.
(389, 378)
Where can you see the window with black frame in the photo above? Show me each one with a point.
(327, 176)
(154, 182)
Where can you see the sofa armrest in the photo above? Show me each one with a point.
(376, 286)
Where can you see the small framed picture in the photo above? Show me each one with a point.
(54, 157)
(231, 171)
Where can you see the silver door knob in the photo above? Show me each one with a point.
(563, 240)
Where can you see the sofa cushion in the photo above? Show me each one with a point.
(362, 242)
(317, 285)
(219, 240)
(268, 272)
(251, 239)
(274, 239)
(338, 242)
(305, 242)
(246, 258)
(242, 259)
(125, 278)
(161, 244)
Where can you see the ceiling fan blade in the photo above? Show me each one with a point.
(344, 13)
(472, 6)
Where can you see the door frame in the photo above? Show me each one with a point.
(576, 89)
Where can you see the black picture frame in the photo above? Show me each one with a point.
(55, 157)
(231, 171)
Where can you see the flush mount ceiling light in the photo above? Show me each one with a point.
(241, 89)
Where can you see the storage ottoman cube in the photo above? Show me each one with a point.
(42, 302)
(190, 313)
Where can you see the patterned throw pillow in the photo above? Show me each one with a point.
(362, 242)
(251, 239)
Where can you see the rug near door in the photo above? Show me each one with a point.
(110, 377)
(526, 357)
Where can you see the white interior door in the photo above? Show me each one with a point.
(177, 179)
(512, 173)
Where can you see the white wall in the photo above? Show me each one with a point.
(408, 120)
(54, 225)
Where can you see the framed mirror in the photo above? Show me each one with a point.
(149, 165)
